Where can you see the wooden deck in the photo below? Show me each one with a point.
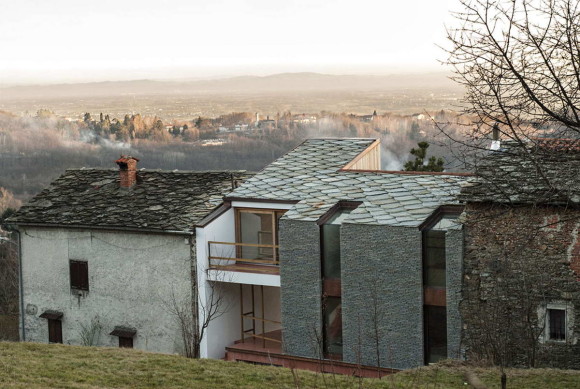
(248, 268)
(252, 350)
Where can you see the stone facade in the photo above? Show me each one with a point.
(382, 273)
(301, 290)
(518, 261)
(131, 280)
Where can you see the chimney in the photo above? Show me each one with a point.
(495, 132)
(495, 141)
(127, 170)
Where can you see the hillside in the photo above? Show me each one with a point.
(276, 83)
(34, 366)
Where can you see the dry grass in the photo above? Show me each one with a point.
(31, 365)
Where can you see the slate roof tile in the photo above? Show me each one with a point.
(313, 171)
(161, 200)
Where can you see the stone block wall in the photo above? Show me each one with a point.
(300, 291)
(518, 260)
(382, 302)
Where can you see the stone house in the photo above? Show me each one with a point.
(323, 256)
(521, 285)
(105, 251)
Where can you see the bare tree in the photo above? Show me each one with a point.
(519, 61)
(194, 314)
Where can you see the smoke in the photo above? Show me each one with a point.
(88, 136)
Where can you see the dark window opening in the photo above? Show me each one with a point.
(125, 342)
(125, 335)
(434, 259)
(332, 312)
(557, 322)
(435, 324)
(54, 331)
(79, 275)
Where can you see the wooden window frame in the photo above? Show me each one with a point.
(275, 227)
(74, 284)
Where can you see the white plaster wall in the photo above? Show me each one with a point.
(225, 330)
(131, 280)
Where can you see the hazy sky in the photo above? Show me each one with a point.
(73, 40)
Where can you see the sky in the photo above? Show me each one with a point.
(70, 40)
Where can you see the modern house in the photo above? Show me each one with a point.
(324, 257)
(521, 292)
(105, 252)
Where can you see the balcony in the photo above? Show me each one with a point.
(244, 257)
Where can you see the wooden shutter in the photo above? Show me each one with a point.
(54, 331)
(79, 275)
(125, 342)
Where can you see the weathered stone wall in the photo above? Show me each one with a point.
(382, 295)
(300, 287)
(517, 261)
(454, 274)
(132, 277)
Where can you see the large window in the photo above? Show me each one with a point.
(331, 280)
(257, 229)
(79, 275)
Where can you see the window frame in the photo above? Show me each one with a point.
(74, 284)
(275, 226)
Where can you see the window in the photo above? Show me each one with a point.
(54, 325)
(257, 229)
(330, 225)
(79, 275)
(54, 331)
(434, 259)
(125, 335)
(125, 342)
(557, 324)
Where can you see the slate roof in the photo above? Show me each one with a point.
(170, 201)
(546, 171)
(311, 174)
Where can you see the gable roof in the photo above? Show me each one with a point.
(164, 201)
(543, 171)
(313, 175)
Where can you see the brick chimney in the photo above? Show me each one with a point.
(127, 170)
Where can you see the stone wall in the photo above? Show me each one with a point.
(517, 261)
(300, 287)
(382, 302)
(454, 274)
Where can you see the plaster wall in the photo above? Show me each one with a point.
(132, 277)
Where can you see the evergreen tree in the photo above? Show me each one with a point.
(434, 164)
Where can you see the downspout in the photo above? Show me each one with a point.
(20, 286)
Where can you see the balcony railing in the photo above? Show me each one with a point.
(225, 254)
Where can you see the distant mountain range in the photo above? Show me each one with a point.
(273, 84)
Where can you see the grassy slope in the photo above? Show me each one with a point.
(30, 365)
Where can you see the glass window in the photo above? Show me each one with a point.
(332, 326)
(434, 258)
(258, 229)
(435, 333)
(331, 244)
